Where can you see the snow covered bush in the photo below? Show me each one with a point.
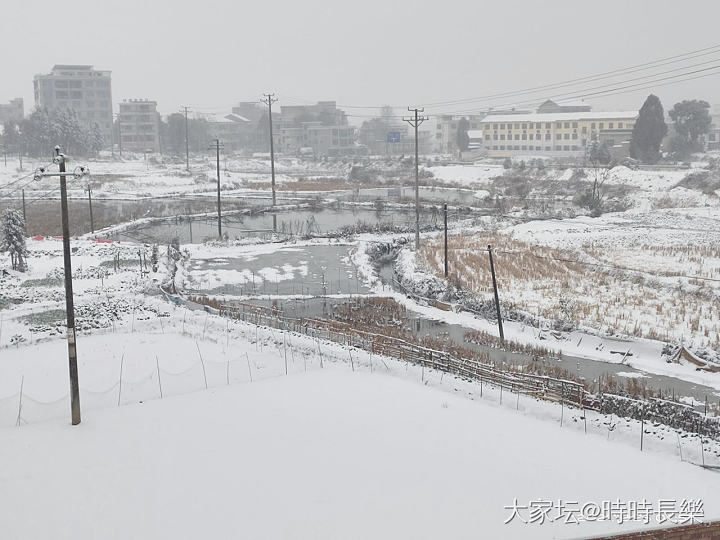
(13, 238)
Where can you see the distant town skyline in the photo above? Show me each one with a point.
(420, 52)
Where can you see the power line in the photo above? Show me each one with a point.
(683, 57)
(609, 92)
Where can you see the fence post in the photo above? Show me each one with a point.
(22, 384)
(122, 358)
(157, 365)
(202, 363)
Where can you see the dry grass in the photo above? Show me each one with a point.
(538, 281)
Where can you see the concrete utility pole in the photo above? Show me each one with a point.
(187, 143)
(92, 222)
(446, 239)
(415, 122)
(217, 146)
(268, 100)
(24, 214)
(117, 116)
(69, 305)
(497, 298)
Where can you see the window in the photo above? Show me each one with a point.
(548, 148)
(502, 136)
(517, 137)
(558, 148)
(575, 124)
(516, 147)
(584, 130)
(502, 147)
(566, 136)
(495, 147)
(531, 136)
(502, 126)
(592, 126)
(567, 125)
(524, 147)
(548, 125)
(574, 136)
(495, 126)
(602, 125)
(524, 126)
(495, 136)
(611, 125)
(566, 148)
(558, 125)
(548, 136)
(575, 148)
(524, 137)
(517, 126)
(620, 125)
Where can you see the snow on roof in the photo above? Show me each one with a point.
(559, 117)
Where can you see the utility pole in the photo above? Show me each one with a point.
(497, 298)
(117, 116)
(415, 122)
(446, 239)
(217, 146)
(24, 214)
(69, 307)
(187, 143)
(92, 222)
(268, 100)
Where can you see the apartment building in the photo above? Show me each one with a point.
(12, 111)
(79, 87)
(446, 127)
(552, 134)
(138, 126)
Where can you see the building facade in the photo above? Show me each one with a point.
(138, 125)
(79, 87)
(12, 111)
(446, 127)
(553, 134)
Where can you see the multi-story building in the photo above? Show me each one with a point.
(321, 130)
(552, 134)
(446, 127)
(12, 111)
(138, 126)
(79, 87)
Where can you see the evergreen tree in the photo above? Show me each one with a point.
(463, 139)
(97, 140)
(649, 131)
(691, 120)
(13, 238)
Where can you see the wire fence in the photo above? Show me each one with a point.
(210, 357)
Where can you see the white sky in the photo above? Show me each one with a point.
(211, 54)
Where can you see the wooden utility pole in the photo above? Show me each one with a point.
(92, 222)
(497, 298)
(216, 146)
(415, 122)
(69, 306)
(24, 214)
(268, 100)
(187, 143)
(446, 238)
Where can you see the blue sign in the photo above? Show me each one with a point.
(394, 136)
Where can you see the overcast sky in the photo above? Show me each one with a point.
(213, 53)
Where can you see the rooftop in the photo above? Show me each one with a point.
(560, 117)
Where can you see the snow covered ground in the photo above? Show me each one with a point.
(324, 453)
